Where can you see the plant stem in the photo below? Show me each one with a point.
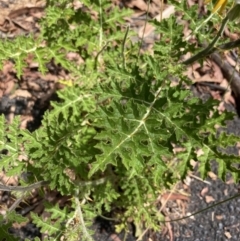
(208, 49)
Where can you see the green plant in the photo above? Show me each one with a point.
(109, 141)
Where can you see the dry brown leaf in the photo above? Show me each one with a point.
(196, 75)
(9, 87)
(232, 62)
(227, 234)
(10, 7)
(140, 4)
(216, 95)
(199, 152)
(219, 217)
(218, 75)
(167, 12)
(230, 181)
(21, 93)
(212, 175)
(221, 107)
(204, 191)
(173, 196)
(115, 237)
(209, 199)
(169, 229)
(232, 36)
(11, 181)
(193, 163)
(225, 192)
(146, 31)
(182, 206)
(187, 181)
